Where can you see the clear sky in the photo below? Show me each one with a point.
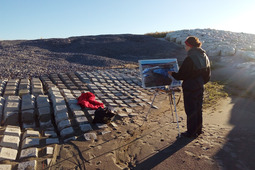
(35, 19)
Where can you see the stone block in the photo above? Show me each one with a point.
(128, 110)
(28, 125)
(133, 114)
(31, 133)
(81, 120)
(9, 93)
(118, 101)
(31, 165)
(12, 99)
(46, 124)
(37, 91)
(48, 161)
(78, 113)
(101, 126)
(52, 141)
(28, 116)
(44, 114)
(74, 107)
(70, 138)
(30, 142)
(67, 132)
(8, 154)
(132, 105)
(9, 88)
(42, 101)
(91, 112)
(90, 136)
(49, 150)
(113, 124)
(58, 101)
(61, 116)
(23, 92)
(12, 131)
(85, 127)
(60, 108)
(11, 106)
(122, 115)
(1, 113)
(105, 132)
(29, 152)
(72, 101)
(11, 118)
(108, 101)
(50, 134)
(112, 105)
(64, 124)
(28, 99)
(10, 142)
(123, 105)
(5, 167)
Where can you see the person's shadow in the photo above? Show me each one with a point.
(162, 155)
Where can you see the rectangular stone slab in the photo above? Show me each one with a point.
(29, 152)
(5, 167)
(31, 164)
(8, 154)
(10, 142)
(30, 142)
(31, 133)
(12, 130)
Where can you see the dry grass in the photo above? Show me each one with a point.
(158, 34)
(213, 92)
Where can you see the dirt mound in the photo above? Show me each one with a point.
(23, 58)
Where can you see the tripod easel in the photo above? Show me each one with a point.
(171, 92)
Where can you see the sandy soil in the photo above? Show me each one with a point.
(227, 141)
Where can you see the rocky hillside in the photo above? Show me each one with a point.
(233, 55)
(25, 58)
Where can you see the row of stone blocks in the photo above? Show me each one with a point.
(63, 81)
(118, 90)
(67, 113)
(30, 140)
(21, 87)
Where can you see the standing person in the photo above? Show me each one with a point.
(195, 72)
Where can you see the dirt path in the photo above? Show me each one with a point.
(227, 142)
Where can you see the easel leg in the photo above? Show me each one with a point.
(171, 103)
(151, 104)
(175, 110)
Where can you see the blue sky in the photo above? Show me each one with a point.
(35, 19)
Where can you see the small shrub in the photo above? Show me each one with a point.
(158, 34)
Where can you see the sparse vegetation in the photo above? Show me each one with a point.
(158, 34)
(213, 92)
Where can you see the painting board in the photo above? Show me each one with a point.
(154, 73)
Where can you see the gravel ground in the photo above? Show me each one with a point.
(32, 58)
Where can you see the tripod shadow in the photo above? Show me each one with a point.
(162, 155)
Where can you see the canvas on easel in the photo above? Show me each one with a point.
(154, 73)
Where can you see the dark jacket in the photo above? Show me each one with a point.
(195, 70)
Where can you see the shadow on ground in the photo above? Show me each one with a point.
(238, 151)
(162, 155)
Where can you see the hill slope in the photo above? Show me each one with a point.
(24, 58)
